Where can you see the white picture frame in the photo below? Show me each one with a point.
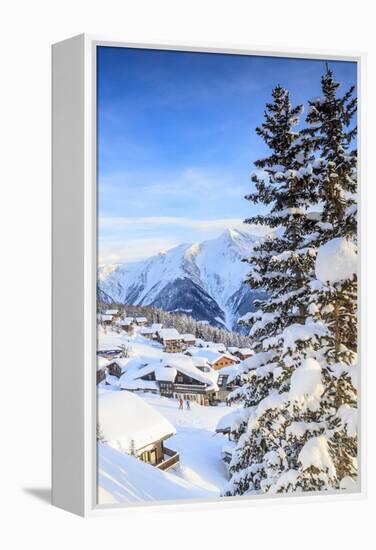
(74, 273)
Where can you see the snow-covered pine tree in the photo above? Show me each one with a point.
(301, 432)
(319, 418)
(334, 296)
(282, 265)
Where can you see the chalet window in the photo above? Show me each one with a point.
(153, 457)
(179, 379)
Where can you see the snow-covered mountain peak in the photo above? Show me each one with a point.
(205, 278)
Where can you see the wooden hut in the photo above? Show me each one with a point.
(129, 424)
(170, 339)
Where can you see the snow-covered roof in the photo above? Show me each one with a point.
(111, 312)
(212, 355)
(165, 374)
(126, 321)
(121, 362)
(108, 349)
(200, 342)
(232, 421)
(140, 319)
(128, 423)
(112, 381)
(169, 334)
(102, 362)
(231, 370)
(146, 330)
(136, 368)
(165, 370)
(138, 384)
(225, 422)
(104, 317)
(218, 346)
(209, 354)
(233, 349)
(186, 365)
(246, 351)
(156, 326)
(188, 337)
(199, 361)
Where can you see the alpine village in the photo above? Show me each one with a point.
(187, 410)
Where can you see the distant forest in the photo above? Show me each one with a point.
(182, 322)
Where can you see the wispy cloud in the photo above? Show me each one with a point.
(123, 239)
(114, 251)
(114, 223)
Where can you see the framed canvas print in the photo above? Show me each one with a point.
(206, 344)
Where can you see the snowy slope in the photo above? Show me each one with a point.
(203, 279)
(200, 448)
(201, 472)
(123, 478)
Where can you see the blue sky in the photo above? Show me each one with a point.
(176, 141)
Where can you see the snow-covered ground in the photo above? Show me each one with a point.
(201, 472)
(123, 478)
(196, 441)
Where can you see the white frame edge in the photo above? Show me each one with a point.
(74, 259)
(68, 239)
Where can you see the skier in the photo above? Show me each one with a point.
(187, 404)
(180, 403)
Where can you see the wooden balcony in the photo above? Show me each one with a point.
(170, 458)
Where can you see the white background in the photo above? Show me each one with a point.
(27, 30)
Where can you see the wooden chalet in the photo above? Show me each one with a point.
(188, 340)
(127, 324)
(224, 360)
(174, 378)
(244, 353)
(115, 313)
(140, 321)
(116, 367)
(170, 339)
(225, 388)
(105, 320)
(216, 359)
(111, 353)
(102, 365)
(189, 387)
(128, 423)
(151, 331)
(147, 332)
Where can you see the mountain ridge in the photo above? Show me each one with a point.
(204, 279)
